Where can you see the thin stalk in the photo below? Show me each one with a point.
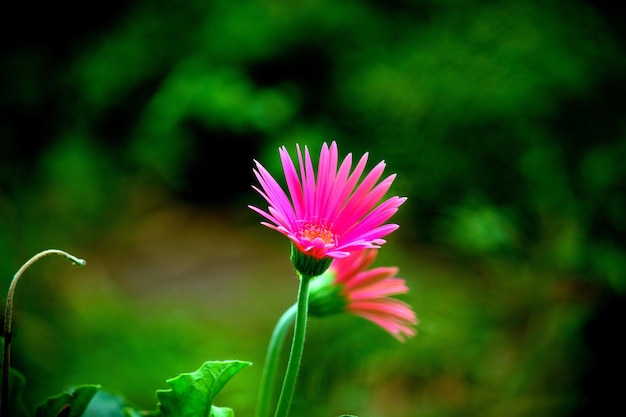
(268, 377)
(8, 315)
(297, 345)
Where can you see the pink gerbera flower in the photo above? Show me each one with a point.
(330, 213)
(350, 286)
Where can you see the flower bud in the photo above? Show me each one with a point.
(308, 266)
(325, 296)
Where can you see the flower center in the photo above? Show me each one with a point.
(313, 231)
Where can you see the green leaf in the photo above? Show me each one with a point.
(106, 404)
(67, 404)
(221, 412)
(192, 394)
(131, 412)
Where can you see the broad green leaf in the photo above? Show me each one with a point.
(221, 412)
(192, 394)
(105, 403)
(72, 404)
(132, 412)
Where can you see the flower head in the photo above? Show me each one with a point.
(348, 285)
(331, 212)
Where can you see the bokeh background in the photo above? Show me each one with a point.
(127, 133)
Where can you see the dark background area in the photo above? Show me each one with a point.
(127, 133)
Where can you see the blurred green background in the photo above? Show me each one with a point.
(127, 133)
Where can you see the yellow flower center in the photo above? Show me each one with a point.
(314, 231)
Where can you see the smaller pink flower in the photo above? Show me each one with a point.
(350, 286)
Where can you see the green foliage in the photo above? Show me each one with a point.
(72, 403)
(503, 120)
(221, 412)
(496, 100)
(192, 394)
(67, 404)
(105, 403)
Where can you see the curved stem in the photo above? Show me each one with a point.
(297, 345)
(6, 366)
(268, 377)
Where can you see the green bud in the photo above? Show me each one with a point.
(308, 265)
(325, 297)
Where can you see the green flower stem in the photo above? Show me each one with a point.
(297, 345)
(6, 366)
(268, 377)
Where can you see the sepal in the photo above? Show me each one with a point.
(308, 266)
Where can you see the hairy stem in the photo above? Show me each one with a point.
(8, 313)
